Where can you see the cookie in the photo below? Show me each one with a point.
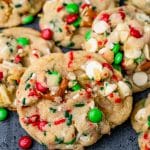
(15, 12)
(70, 20)
(144, 140)
(140, 118)
(69, 89)
(144, 5)
(122, 37)
(19, 47)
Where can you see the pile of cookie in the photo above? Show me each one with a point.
(70, 100)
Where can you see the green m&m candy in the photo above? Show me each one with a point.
(3, 114)
(23, 41)
(95, 115)
(118, 58)
(28, 19)
(116, 48)
(72, 8)
(88, 35)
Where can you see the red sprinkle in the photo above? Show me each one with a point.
(40, 87)
(111, 95)
(84, 5)
(71, 18)
(122, 14)
(88, 93)
(145, 136)
(135, 33)
(118, 100)
(59, 8)
(25, 142)
(33, 92)
(41, 125)
(17, 59)
(105, 17)
(71, 57)
(19, 47)
(47, 34)
(59, 121)
(115, 78)
(33, 119)
(89, 57)
(147, 148)
(108, 66)
(1, 75)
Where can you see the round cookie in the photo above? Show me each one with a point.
(122, 37)
(144, 5)
(82, 83)
(15, 12)
(58, 113)
(140, 118)
(70, 20)
(144, 140)
(19, 47)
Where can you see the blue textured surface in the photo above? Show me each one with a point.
(121, 138)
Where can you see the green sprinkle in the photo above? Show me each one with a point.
(130, 85)
(71, 44)
(148, 118)
(27, 86)
(18, 5)
(27, 19)
(53, 110)
(71, 142)
(88, 35)
(76, 24)
(44, 133)
(79, 104)
(101, 88)
(66, 114)
(60, 30)
(139, 59)
(23, 41)
(59, 140)
(31, 74)
(69, 121)
(24, 101)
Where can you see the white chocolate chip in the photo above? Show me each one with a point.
(71, 76)
(140, 78)
(147, 52)
(100, 27)
(124, 89)
(93, 70)
(140, 115)
(124, 36)
(133, 54)
(109, 88)
(91, 45)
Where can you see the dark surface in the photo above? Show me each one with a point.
(121, 138)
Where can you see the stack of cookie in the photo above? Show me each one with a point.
(69, 101)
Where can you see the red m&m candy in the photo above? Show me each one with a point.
(25, 142)
(47, 34)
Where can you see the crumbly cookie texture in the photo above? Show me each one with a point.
(70, 20)
(122, 37)
(15, 12)
(78, 92)
(144, 140)
(141, 115)
(19, 47)
(140, 120)
(144, 5)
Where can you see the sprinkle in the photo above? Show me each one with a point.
(60, 121)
